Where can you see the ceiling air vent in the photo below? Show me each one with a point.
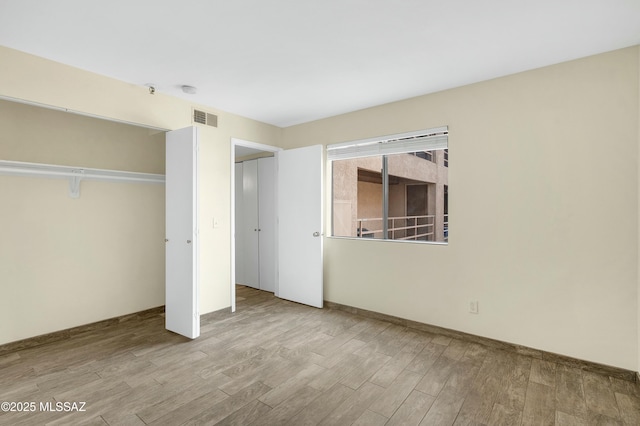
(205, 118)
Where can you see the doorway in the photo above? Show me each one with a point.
(299, 219)
(241, 149)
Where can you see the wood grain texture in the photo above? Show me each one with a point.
(275, 362)
(446, 333)
(412, 410)
(539, 406)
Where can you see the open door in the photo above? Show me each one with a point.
(300, 225)
(181, 287)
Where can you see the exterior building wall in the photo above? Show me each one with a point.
(355, 200)
(345, 202)
(369, 201)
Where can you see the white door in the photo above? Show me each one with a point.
(181, 288)
(250, 252)
(300, 225)
(267, 223)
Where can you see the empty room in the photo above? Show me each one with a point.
(337, 212)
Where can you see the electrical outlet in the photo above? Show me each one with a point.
(473, 307)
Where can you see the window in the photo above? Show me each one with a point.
(383, 188)
(425, 155)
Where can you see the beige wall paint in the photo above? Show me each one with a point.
(41, 135)
(65, 261)
(544, 212)
(38, 80)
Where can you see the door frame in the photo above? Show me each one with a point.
(258, 147)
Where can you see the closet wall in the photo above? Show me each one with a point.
(63, 261)
(255, 223)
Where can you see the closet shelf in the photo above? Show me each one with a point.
(75, 174)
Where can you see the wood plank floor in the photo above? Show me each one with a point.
(276, 362)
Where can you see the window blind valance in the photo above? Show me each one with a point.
(420, 140)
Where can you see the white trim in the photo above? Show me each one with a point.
(232, 225)
(196, 225)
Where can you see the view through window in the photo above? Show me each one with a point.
(396, 196)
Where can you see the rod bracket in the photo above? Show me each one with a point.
(74, 183)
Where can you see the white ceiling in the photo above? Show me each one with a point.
(286, 62)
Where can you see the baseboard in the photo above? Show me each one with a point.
(68, 333)
(620, 373)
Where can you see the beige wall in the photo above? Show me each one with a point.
(544, 211)
(51, 304)
(65, 261)
(41, 135)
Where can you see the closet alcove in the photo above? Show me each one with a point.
(255, 223)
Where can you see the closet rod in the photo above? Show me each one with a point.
(54, 171)
(75, 174)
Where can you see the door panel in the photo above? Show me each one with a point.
(267, 222)
(181, 287)
(300, 225)
(250, 224)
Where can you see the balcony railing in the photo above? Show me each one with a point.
(446, 227)
(399, 228)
